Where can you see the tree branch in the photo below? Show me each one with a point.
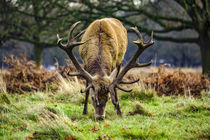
(177, 40)
(151, 15)
(156, 18)
(43, 44)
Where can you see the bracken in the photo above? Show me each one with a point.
(24, 76)
(177, 82)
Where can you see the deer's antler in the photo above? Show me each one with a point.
(72, 42)
(131, 64)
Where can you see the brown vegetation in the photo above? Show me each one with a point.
(167, 81)
(177, 82)
(23, 76)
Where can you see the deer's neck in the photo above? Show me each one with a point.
(95, 68)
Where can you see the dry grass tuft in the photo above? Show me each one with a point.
(3, 88)
(69, 85)
(69, 89)
(51, 123)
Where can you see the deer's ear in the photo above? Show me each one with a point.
(113, 75)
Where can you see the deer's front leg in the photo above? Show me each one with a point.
(117, 106)
(86, 101)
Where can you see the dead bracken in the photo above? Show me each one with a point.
(177, 82)
(23, 76)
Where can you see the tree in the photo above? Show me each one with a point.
(197, 18)
(34, 21)
(38, 21)
(181, 15)
(199, 12)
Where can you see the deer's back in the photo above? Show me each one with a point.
(106, 43)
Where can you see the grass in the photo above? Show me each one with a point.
(145, 116)
(50, 115)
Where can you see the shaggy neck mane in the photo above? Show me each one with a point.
(97, 65)
(95, 68)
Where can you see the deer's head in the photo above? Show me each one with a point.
(99, 95)
(99, 88)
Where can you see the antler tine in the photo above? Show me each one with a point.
(125, 90)
(129, 82)
(60, 44)
(71, 31)
(143, 65)
(88, 88)
(151, 37)
(74, 74)
(79, 34)
(140, 42)
(135, 29)
(150, 42)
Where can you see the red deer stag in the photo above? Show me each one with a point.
(102, 50)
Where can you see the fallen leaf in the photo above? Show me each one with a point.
(29, 137)
(125, 127)
(106, 125)
(90, 116)
(69, 138)
(73, 118)
(35, 133)
(99, 138)
(80, 130)
(152, 113)
(94, 129)
(104, 137)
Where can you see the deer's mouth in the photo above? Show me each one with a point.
(99, 117)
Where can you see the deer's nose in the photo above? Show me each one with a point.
(100, 118)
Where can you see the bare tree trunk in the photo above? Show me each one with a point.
(38, 51)
(205, 54)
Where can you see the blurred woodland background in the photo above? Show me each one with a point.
(181, 28)
(39, 100)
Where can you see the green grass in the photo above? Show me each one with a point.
(145, 116)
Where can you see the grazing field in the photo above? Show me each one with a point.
(174, 105)
(145, 116)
